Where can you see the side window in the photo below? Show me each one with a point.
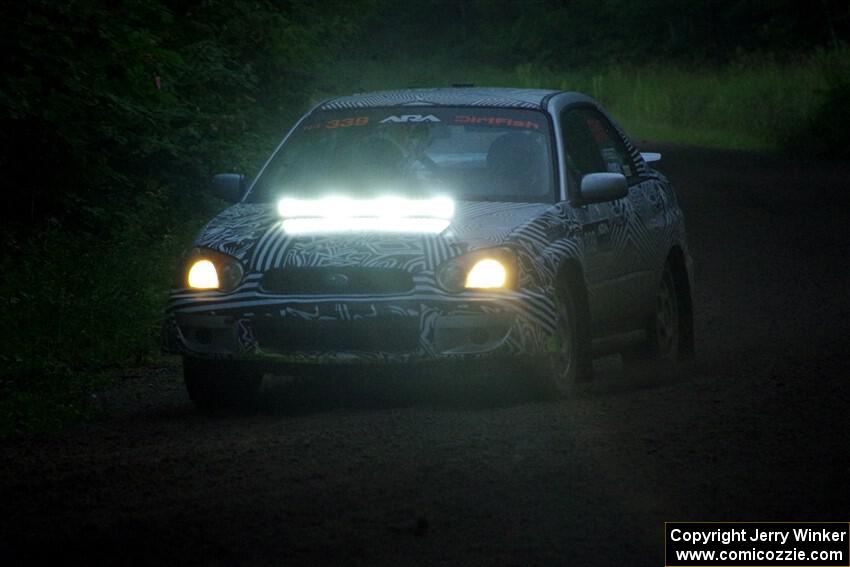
(593, 145)
(582, 154)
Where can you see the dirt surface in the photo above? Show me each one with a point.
(348, 473)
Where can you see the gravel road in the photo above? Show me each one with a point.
(355, 473)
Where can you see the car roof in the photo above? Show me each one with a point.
(454, 96)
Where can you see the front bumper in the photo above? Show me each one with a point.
(419, 326)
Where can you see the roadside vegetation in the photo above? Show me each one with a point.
(113, 119)
(760, 102)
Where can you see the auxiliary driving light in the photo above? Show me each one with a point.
(383, 214)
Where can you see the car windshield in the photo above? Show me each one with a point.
(477, 154)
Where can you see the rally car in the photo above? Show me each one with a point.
(425, 225)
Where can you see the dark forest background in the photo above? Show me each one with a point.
(114, 116)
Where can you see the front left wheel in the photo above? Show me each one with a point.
(221, 386)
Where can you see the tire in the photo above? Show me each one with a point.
(220, 386)
(664, 328)
(572, 363)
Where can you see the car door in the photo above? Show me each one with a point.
(615, 235)
(640, 234)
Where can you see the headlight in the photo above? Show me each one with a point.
(493, 269)
(208, 269)
(203, 275)
(487, 273)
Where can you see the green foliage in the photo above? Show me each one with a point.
(113, 117)
(47, 402)
(586, 34)
(116, 95)
(825, 129)
(756, 102)
(75, 302)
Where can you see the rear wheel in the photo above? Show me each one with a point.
(664, 328)
(221, 386)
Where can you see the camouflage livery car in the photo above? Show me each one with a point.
(453, 224)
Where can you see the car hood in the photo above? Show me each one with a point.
(253, 234)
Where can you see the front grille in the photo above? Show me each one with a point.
(340, 280)
(389, 334)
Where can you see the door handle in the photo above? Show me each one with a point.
(618, 213)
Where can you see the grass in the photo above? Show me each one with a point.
(76, 303)
(49, 402)
(755, 103)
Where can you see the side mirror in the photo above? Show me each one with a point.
(229, 186)
(601, 187)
